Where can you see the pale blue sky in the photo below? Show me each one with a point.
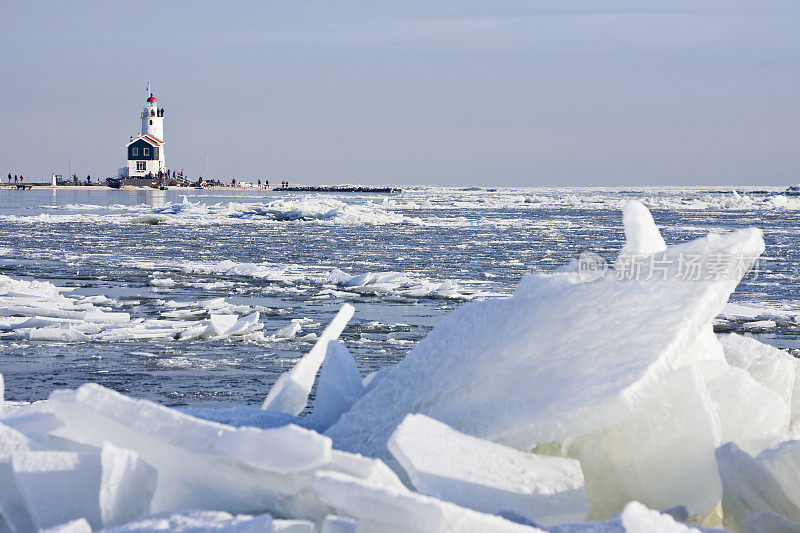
(473, 93)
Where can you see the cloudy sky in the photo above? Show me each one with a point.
(451, 93)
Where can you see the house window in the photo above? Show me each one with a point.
(151, 122)
(134, 151)
(145, 151)
(140, 165)
(155, 152)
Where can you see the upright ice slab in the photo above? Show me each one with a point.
(486, 476)
(641, 234)
(752, 486)
(127, 486)
(649, 456)
(290, 393)
(59, 486)
(338, 388)
(510, 371)
(12, 503)
(773, 368)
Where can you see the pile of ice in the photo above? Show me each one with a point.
(319, 209)
(748, 318)
(399, 284)
(326, 209)
(335, 283)
(40, 311)
(636, 417)
(310, 208)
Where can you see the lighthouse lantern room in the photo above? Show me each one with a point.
(146, 152)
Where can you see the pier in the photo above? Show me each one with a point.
(150, 184)
(343, 188)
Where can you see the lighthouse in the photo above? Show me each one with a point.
(146, 152)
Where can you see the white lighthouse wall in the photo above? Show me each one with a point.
(152, 125)
(150, 165)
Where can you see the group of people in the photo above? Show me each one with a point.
(17, 179)
(166, 174)
(284, 184)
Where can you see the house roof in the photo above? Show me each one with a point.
(150, 139)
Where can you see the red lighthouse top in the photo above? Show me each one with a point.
(152, 98)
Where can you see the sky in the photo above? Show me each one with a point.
(471, 93)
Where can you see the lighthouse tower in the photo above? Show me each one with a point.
(146, 152)
(153, 119)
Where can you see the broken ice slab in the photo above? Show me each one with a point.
(290, 393)
(373, 471)
(59, 486)
(245, 324)
(754, 485)
(12, 504)
(244, 416)
(220, 324)
(380, 509)
(775, 369)
(338, 388)
(508, 371)
(486, 476)
(750, 414)
(338, 524)
(783, 464)
(649, 456)
(200, 464)
(127, 485)
(100, 411)
(642, 237)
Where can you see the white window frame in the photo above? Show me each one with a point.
(145, 151)
(134, 151)
(141, 165)
(155, 152)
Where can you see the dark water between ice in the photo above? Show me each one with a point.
(116, 243)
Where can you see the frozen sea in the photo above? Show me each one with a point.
(171, 259)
